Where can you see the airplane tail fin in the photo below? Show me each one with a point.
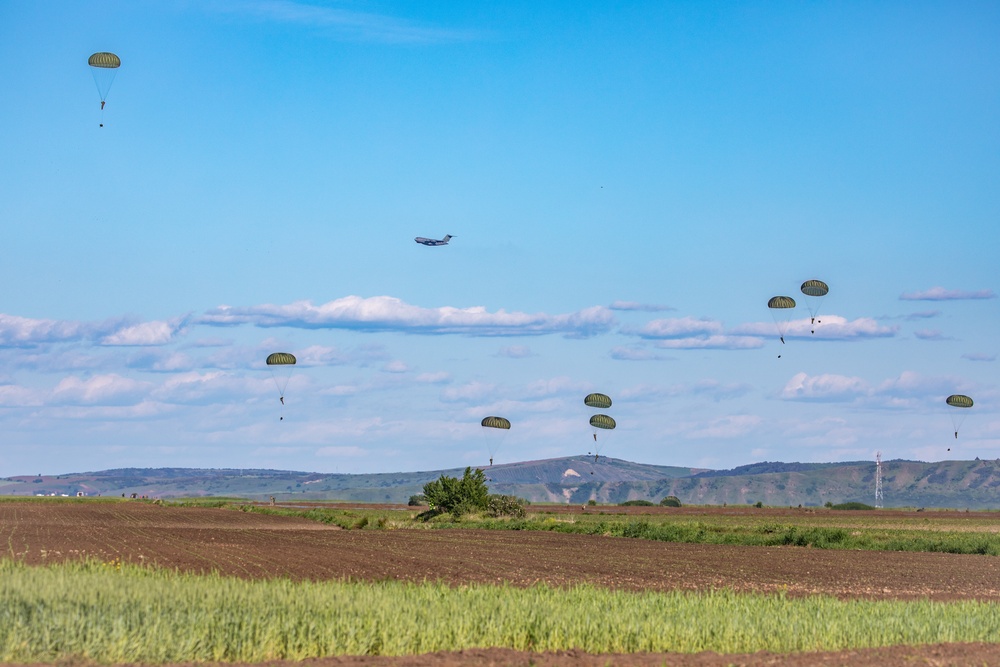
(447, 237)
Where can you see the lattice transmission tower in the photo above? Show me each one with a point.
(878, 480)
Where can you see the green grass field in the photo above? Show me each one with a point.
(115, 613)
(948, 532)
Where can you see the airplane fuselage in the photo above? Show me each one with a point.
(433, 242)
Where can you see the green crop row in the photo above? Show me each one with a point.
(722, 530)
(117, 613)
(771, 534)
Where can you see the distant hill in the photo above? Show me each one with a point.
(572, 479)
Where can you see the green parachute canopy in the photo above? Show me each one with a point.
(280, 359)
(600, 401)
(495, 422)
(602, 421)
(815, 288)
(104, 59)
(959, 401)
(781, 302)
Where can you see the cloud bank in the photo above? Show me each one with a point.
(384, 313)
(942, 294)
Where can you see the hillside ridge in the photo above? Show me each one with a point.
(571, 479)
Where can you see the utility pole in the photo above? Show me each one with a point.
(878, 480)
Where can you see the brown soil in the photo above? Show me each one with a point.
(254, 546)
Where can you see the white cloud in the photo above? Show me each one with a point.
(827, 327)
(441, 377)
(723, 342)
(395, 366)
(911, 384)
(321, 355)
(931, 334)
(641, 307)
(557, 386)
(14, 396)
(342, 390)
(711, 388)
(470, 392)
(515, 352)
(141, 411)
(942, 294)
(908, 389)
(384, 313)
(213, 387)
(678, 327)
(826, 387)
(16, 331)
(979, 356)
(634, 354)
(733, 426)
(163, 361)
(110, 389)
(144, 333)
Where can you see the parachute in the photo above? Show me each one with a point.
(281, 365)
(104, 66)
(776, 304)
(494, 431)
(816, 289)
(599, 401)
(601, 422)
(958, 401)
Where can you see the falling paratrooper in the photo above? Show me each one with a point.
(601, 422)
(816, 289)
(958, 401)
(494, 430)
(776, 304)
(104, 66)
(599, 402)
(281, 365)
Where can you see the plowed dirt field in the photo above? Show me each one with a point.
(254, 545)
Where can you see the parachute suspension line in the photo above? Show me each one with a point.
(281, 385)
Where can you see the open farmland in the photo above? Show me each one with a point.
(255, 546)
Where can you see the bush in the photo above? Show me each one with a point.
(592, 503)
(457, 496)
(851, 506)
(641, 503)
(500, 505)
(417, 500)
(671, 501)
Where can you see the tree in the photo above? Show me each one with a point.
(458, 496)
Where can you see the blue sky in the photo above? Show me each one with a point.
(627, 184)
